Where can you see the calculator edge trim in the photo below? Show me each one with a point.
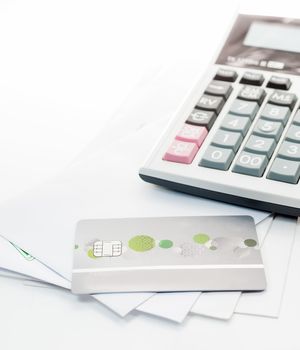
(221, 196)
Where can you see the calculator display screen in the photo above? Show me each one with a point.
(263, 42)
(274, 36)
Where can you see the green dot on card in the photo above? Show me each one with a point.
(250, 242)
(166, 243)
(201, 238)
(141, 243)
(90, 254)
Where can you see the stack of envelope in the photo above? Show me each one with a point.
(37, 228)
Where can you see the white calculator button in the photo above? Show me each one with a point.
(285, 171)
(289, 150)
(250, 164)
(244, 108)
(268, 128)
(261, 145)
(236, 123)
(217, 158)
(276, 113)
(227, 139)
(293, 133)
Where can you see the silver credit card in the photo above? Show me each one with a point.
(208, 253)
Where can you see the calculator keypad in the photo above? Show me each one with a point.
(223, 151)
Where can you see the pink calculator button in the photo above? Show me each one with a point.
(181, 152)
(192, 133)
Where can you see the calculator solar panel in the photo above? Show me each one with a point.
(236, 138)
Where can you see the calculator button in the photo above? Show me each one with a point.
(227, 139)
(285, 171)
(296, 119)
(226, 75)
(219, 88)
(250, 164)
(252, 93)
(211, 103)
(293, 133)
(217, 158)
(192, 133)
(268, 128)
(181, 152)
(289, 150)
(276, 113)
(252, 79)
(260, 145)
(283, 99)
(236, 123)
(244, 108)
(279, 83)
(202, 118)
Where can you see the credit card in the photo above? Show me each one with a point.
(159, 254)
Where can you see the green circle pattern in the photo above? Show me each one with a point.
(141, 243)
(165, 243)
(250, 242)
(201, 238)
(90, 254)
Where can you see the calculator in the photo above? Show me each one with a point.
(236, 137)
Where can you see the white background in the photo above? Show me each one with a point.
(65, 66)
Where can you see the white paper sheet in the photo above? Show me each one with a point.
(276, 254)
(173, 306)
(222, 304)
(12, 259)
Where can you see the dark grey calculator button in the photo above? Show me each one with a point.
(293, 133)
(227, 139)
(219, 88)
(252, 93)
(283, 98)
(268, 128)
(236, 123)
(261, 145)
(202, 118)
(252, 79)
(279, 83)
(217, 158)
(285, 171)
(244, 108)
(250, 164)
(226, 75)
(211, 103)
(289, 150)
(276, 113)
(296, 119)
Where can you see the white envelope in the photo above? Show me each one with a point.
(276, 253)
(222, 305)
